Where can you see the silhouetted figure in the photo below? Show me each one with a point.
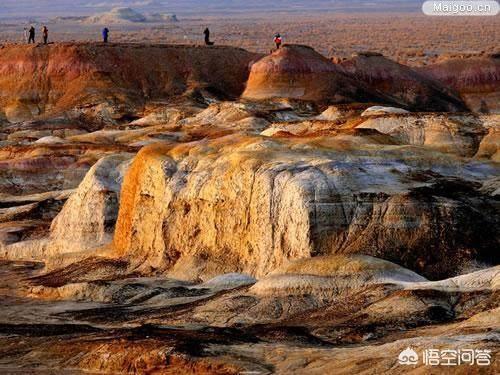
(105, 35)
(31, 35)
(278, 40)
(207, 37)
(45, 34)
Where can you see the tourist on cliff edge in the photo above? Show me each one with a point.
(207, 37)
(278, 40)
(45, 34)
(105, 35)
(31, 35)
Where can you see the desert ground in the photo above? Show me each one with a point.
(173, 208)
(409, 38)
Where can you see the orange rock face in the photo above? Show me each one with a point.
(299, 72)
(36, 80)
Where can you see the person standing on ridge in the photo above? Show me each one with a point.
(278, 40)
(31, 35)
(207, 37)
(26, 35)
(45, 34)
(105, 35)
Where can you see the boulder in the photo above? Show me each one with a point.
(379, 110)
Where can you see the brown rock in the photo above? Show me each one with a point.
(64, 76)
(476, 79)
(299, 72)
(404, 85)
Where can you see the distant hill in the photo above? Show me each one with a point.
(161, 17)
(126, 15)
(117, 15)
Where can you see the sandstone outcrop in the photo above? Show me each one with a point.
(461, 134)
(403, 84)
(299, 72)
(240, 324)
(490, 144)
(88, 217)
(476, 79)
(150, 224)
(331, 275)
(379, 110)
(199, 209)
(112, 81)
(85, 222)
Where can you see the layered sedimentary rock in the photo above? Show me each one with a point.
(476, 79)
(112, 80)
(404, 85)
(88, 217)
(316, 308)
(199, 209)
(460, 135)
(299, 72)
(490, 144)
(85, 222)
(147, 226)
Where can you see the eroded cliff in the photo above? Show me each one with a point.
(113, 81)
(146, 225)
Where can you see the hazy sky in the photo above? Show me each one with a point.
(34, 8)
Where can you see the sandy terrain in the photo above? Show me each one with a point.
(408, 38)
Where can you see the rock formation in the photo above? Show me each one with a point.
(404, 85)
(197, 204)
(125, 15)
(151, 221)
(116, 15)
(109, 82)
(299, 72)
(476, 79)
(88, 217)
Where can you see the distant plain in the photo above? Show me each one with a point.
(410, 38)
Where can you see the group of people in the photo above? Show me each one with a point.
(29, 36)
